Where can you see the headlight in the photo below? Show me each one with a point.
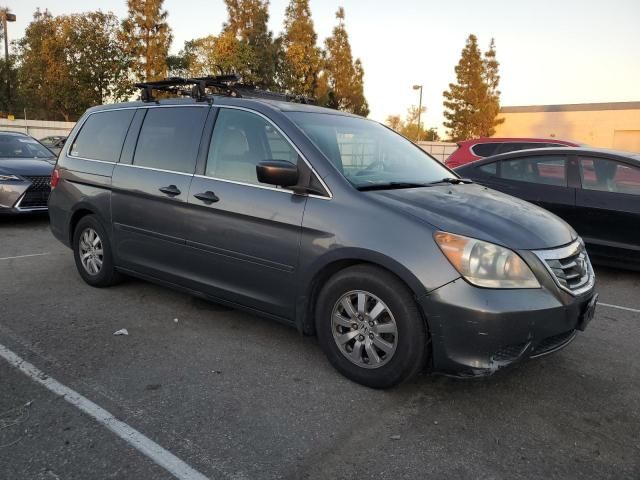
(10, 178)
(485, 264)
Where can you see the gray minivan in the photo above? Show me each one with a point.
(325, 221)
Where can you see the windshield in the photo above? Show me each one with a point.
(367, 153)
(18, 146)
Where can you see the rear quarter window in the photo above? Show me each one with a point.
(485, 149)
(102, 135)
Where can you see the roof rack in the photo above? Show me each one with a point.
(227, 85)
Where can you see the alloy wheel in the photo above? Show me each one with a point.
(90, 251)
(364, 329)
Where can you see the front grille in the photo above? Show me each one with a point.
(550, 344)
(509, 352)
(37, 195)
(569, 266)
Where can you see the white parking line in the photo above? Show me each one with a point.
(25, 256)
(137, 440)
(635, 310)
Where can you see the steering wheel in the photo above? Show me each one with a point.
(369, 167)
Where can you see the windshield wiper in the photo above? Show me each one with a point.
(391, 186)
(452, 181)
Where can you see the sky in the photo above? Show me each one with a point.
(550, 51)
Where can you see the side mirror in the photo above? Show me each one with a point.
(278, 172)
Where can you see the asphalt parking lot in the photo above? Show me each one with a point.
(233, 396)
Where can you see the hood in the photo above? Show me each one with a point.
(476, 211)
(26, 166)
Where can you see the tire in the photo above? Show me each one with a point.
(100, 270)
(405, 351)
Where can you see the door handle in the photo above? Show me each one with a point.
(171, 190)
(207, 197)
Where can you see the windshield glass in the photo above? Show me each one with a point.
(367, 153)
(18, 146)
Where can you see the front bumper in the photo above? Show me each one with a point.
(476, 331)
(24, 196)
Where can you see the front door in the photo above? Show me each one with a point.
(150, 191)
(243, 236)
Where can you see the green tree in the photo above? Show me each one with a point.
(147, 38)
(344, 88)
(473, 102)
(70, 63)
(256, 56)
(301, 56)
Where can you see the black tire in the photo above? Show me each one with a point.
(412, 348)
(107, 275)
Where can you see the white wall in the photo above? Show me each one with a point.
(440, 150)
(36, 128)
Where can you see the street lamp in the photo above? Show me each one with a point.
(7, 17)
(419, 87)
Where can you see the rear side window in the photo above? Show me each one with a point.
(102, 135)
(486, 149)
(169, 138)
(543, 169)
(609, 176)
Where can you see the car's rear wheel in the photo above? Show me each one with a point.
(370, 328)
(92, 252)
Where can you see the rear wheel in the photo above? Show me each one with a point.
(92, 252)
(370, 328)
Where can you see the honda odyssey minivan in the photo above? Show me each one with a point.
(325, 221)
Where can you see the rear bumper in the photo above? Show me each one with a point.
(476, 332)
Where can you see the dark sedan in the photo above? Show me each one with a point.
(25, 174)
(596, 191)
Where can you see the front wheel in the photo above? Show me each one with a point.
(370, 328)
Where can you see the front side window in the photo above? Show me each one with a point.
(169, 138)
(240, 141)
(543, 169)
(490, 169)
(367, 153)
(609, 176)
(102, 135)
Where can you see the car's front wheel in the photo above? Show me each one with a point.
(92, 252)
(369, 327)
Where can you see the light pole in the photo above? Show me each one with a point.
(7, 17)
(419, 87)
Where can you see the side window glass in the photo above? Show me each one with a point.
(489, 169)
(545, 170)
(609, 176)
(170, 137)
(102, 135)
(486, 149)
(240, 141)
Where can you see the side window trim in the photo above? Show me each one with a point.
(200, 172)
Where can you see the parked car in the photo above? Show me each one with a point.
(595, 191)
(325, 221)
(54, 143)
(477, 148)
(25, 174)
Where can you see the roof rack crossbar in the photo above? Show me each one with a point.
(228, 85)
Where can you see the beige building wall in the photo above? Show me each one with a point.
(605, 125)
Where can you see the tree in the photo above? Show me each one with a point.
(409, 127)
(472, 104)
(247, 43)
(147, 38)
(70, 63)
(344, 87)
(301, 56)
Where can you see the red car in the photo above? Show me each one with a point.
(477, 148)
